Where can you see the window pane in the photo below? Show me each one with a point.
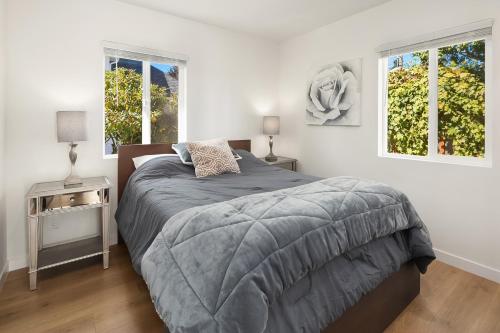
(461, 97)
(164, 103)
(123, 103)
(407, 103)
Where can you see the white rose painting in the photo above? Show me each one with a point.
(334, 96)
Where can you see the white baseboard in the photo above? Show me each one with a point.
(467, 265)
(3, 273)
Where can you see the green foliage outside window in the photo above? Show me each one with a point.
(408, 109)
(461, 103)
(164, 111)
(461, 99)
(123, 110)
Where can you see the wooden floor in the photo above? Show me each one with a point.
(82, 297)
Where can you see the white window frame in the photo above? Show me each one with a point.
(432, 153)
(143, 55)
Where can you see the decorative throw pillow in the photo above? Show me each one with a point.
(212, 160)
(181, 150)
(183, 153)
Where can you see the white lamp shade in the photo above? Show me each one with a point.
(71, 126)
(271, 125)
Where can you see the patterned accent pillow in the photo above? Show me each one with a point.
(212, 160)
(181, 149)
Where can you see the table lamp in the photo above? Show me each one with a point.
(72, 127)
(271, 127)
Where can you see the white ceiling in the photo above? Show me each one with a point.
(274, 19)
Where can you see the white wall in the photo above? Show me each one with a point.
(3, 229)
(55, 62)
(460, 205)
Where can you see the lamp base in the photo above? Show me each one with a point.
(271, 158)
(72, 180)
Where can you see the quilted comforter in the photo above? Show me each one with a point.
(222, 267)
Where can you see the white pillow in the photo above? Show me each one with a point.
(140, 160)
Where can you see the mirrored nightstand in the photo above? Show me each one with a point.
(46, 199)
(283, 162)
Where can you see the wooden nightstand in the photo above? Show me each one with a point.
(46, 199)
(283, 162)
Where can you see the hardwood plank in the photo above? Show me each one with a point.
(82, 297)
(451, 300)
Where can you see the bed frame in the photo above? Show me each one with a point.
(373, 313)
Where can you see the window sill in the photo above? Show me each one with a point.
(443, 159)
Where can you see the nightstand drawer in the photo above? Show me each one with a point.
(282, 162)
(60, 201)
(286, 165)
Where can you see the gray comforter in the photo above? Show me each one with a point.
(164, 186)
(290, 260)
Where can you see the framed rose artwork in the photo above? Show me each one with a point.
(334, 95)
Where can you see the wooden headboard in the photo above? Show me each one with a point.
(128, 152)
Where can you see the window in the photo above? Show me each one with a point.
(434, 99)
(143, 96)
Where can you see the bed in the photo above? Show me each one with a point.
(368, 285)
